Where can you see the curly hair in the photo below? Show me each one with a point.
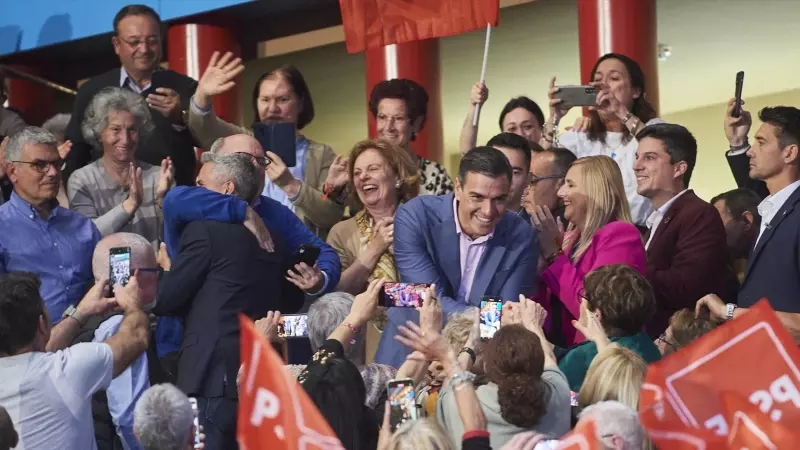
(514, 361)
(623, 296)
(409, 91)
(398, 160)
(110, 99)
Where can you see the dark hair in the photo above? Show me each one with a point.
(514, 361)
(787, 120)
(21, 306)
(136, 10)
(562, 159)
(623, 296)
(300, 88)
(515, 142)
(409, 91)
(686, 327)
(524, 103)
(738, 201)
(641, 108)
(487, 161)
(339, 395)
(678, 142)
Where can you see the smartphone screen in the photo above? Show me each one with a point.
(491, 312)
(119, 266)
(293, 325)
(402, 402)
(403, 295)
(196, 421)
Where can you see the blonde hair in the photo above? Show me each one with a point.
(422, 434)
(616, 373)
(606, 198)
(459, 326)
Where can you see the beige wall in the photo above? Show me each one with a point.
(540, 39)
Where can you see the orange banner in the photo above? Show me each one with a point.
(375, 23)
(693, 399)
(274, 410)
(583, 437)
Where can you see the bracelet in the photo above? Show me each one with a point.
(353, 331)
(729, 309)
(627, 118)
(461, 378)
(744, 145)
(472, 356)
(550, 258)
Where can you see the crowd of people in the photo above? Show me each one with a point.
(603, 258)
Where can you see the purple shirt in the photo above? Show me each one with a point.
(470, 252)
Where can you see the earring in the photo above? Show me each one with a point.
(397, 185)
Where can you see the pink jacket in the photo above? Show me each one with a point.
(615, 243)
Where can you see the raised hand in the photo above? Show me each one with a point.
(479, 94)
(64, 149)
(308, 279)
(268, 326)
(557, 111)
(135, 190)
(430, 313)
(167, 102)
(337, 173)
(550, 236)
(165, 179)
(218, 78)
(736, 128)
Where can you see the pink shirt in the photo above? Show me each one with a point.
(470, 252)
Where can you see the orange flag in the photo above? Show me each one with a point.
(274, 410)
(583, 437)
(693, 398)
(375, 23)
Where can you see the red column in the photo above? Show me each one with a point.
(418, 61)
(620, 26)
(36, 103)
(189, 49)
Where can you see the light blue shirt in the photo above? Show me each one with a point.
(273, 191)
(126, 81)
(124, 390)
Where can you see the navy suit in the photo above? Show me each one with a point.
(426, 250)
(773, 269)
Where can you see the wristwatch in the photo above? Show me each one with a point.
(729, 309)
(72, 311)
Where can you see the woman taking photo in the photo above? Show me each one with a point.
(280, 95)
(621, 111)
(382, 177)
(595, 205)
(118, 192)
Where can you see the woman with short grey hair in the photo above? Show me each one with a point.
(119, 192)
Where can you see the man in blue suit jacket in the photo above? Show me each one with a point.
(467, 244)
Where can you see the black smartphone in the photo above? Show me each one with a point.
(305, 254)
(737, 108)
(576, 96)
(279, 138)
(402, 401)
(402, 295)
(195, 421)
(491, 315)
(157, 80)
(119, 266)
(293, 325)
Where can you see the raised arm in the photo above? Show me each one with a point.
(469, 133)
(322, 211)
(133, 335)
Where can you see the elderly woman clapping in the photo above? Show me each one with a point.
(117, 191)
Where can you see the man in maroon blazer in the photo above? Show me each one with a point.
(687, 253)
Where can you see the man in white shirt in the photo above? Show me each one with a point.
(48, 395)
(687, 253)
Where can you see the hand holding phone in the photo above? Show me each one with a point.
(279, 138)
(491, 315)
(402, 295)
(307, 254)
(402, 402)
(572, 96)
(737, 108)
(196, 422)
(119, 267)
(293, 325)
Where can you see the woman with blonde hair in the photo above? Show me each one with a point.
(601, 233)
(422, 434)
(616, 373)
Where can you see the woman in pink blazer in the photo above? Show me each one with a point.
(601, 233)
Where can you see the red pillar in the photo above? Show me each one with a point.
(620, 26)
(418, 61)
(36, 103)
(189, 49)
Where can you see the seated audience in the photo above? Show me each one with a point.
(382, 177)
(518, 152)
(595, 204)
(442, 239)
(163, 419)
(617, 303)
(616, 373)
(686, 246)
(684, 327)
(738, 210)
(617, 426)
(47, 394)
(280, 95)
(736, 131)
(40, 236)
(119, 192)
(8, 435)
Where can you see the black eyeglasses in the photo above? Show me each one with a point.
(43, 166)
(663, 338)
(535, 178)
(262, 161)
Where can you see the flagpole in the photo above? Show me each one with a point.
(477, 113)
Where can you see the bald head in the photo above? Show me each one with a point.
(142, 257)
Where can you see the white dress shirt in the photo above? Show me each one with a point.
(770, 206)
(657, 216)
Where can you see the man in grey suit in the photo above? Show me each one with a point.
(466, 243)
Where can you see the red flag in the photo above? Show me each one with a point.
(274, 410)
(375, 23)
(583, 437)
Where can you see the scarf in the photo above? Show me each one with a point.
(385, 267)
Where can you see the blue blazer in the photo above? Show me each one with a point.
(426, 250)
(773, 269)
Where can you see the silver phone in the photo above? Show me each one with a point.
(572, 96)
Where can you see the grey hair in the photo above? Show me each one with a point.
(27, 136)
(236, 168)
(217, 146)
(613, 417)
(110, 99)
(422, 434)
(325, 315)
(162, 418)
(57, 124)
(141, 250)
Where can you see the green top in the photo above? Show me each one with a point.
(575, 361)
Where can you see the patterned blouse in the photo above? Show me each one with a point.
(433, 178)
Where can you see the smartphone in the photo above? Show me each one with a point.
(119, 266)
(403, 295)
(576, 96)
(737, 108)
(279, 138)
(196, 421)
(293, 325)
(305, 254)
(491, 314)
(402, 401)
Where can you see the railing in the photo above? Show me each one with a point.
(10, 71)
